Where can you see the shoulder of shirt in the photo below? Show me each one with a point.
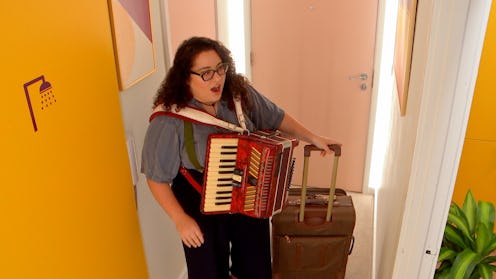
(165, 118)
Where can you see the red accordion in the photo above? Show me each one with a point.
(247, 174)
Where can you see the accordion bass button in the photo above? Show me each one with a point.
(237, 177)
(252, 180)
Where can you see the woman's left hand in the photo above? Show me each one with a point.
(292, 127)
(323, 143)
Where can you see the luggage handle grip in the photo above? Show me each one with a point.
(335, 147)
(337, 153)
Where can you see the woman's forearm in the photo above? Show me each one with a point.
(294, 128)
(187, 227)
(166, 199)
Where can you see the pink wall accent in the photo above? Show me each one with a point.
(189, 18)
(139, 10)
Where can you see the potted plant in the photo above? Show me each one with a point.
(469, 242)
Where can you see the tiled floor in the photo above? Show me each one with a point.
(360, 261)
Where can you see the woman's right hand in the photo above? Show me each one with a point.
(187, 227)
(189, 231)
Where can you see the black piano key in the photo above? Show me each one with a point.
(226, 166)
(223, 192)
(224, 179)
(229, 147)
(222, 203)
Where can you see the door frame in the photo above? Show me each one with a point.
(222, 18)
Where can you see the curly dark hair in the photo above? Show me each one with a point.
(175, 89)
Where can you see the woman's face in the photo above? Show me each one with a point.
(206, 91)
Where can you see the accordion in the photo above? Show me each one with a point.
(247, 174)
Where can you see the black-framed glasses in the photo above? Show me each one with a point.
(209, 74)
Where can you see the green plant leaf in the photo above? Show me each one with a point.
(455, 236)
(460, 221)
(485, 271)
(488, 260)
(486, 214)
(470, 210)
(445, 265)
(464, 264)
(475, 275)
(446, 254)
(444, 274)
(492, 267)
(455, 209)
(483, 239)
(491, 247)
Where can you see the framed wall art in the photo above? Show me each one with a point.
(133, 40)
(405, 29)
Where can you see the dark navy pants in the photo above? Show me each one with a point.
(245, 239)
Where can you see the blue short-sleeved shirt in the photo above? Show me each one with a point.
(164, 150)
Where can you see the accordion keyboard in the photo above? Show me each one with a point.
(222, 162)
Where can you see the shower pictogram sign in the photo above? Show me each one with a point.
(39, 96)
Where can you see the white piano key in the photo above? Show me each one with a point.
(212, 157)
(214, 208)
(218, 189)
(232, 141)
(216, 175)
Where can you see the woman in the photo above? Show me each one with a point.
(203, 76)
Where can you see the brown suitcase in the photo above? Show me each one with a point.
(311, 239)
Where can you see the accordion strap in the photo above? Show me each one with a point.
(189, 143)
(198, 116)
(194, 115)
(184, 171)
(239, 113)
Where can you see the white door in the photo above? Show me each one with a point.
(315, 59)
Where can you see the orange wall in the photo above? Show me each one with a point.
(478, 162)
(66, 197)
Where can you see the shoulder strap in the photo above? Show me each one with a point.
(189, 115)
(239, 113)
(197, 116)
(190, 179)
(189, 142)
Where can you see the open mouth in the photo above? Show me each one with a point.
(215, 89)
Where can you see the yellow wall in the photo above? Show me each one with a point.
(478, 162)
(66, 199)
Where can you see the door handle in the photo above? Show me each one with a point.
(362, 76)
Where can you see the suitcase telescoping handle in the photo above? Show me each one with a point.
(336, 148)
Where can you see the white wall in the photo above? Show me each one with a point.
(391, 194)
(163, 249)
(161, 243)
(423, 155)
